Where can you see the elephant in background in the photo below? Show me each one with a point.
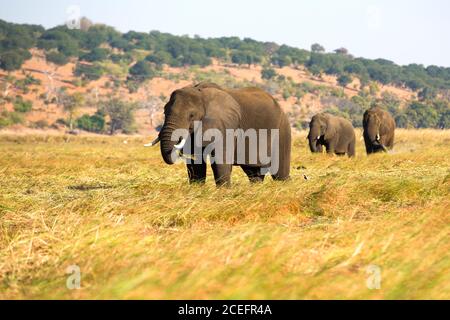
(222, 109)
(379, 130)
(335, 133)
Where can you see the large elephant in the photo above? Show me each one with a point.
(335, 133)
(379, 130)
(222, 110)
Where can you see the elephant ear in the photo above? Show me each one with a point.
(331, 129)
(221, 110)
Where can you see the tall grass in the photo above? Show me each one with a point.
(137, 229)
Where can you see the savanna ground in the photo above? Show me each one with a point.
(136, 229)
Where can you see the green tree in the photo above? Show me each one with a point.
(159, 58)
(268, 73)
(344, 80)
(317, 48)
(90, 72)
(354, 68)
(96, 54)
(57, 58)
(120, 114)
(315, 70)
(92, 123)
(401, 121)
(342, 51)
(422, 115)
(143, 70)
(71, 104)
(13, 60)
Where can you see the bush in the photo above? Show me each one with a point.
(344, 80)
(401, 121)
(143, 70)
(121, 58)
(22, 106)
(94, 123)
(40, 124)
(10, 118)
(57, 58)
(97, 54)
(13, 60)
(159, 58)
(90, 72)
(421, 115)
(268, 73)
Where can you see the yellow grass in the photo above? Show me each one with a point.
(137, 229)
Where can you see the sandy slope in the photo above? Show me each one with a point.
(53, 77)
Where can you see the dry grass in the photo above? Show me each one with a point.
(136, 228)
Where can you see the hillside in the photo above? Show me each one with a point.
(42, 70)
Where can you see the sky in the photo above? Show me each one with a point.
(414, 31)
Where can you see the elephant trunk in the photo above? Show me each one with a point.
(313, 136)
(172, 140)
(372, 133)
(167, 145)
(313, 144)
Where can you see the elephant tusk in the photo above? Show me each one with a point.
(154, 142)
(180, 145)
(318, 137)
(187, 156)
(378, 137)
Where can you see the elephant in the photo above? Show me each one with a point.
(239, 110)
(379, 130)
(335, 133)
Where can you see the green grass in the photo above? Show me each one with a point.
(137, 229)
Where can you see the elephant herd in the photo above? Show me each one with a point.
(337, 134)
(246, 127)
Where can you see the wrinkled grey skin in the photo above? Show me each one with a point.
(335, 133)
(223, 109)
(379, 130)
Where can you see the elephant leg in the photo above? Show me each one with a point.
(253, 173)
(390, 143)
(319, 147)
(284, 159)
(197, 173)
(351, 149)
(368, 144)
(222, 174)
(331, 148)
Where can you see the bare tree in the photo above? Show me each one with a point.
(6, 85)
(154, 105)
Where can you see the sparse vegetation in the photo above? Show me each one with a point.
(10, 118)
(21, 105)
